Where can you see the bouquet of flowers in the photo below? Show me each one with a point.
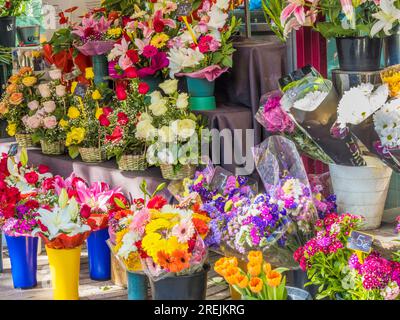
(203, 49)
(324, 201)
(43, 120)
(62, 227)
(258, 281)
(141, 50)
(14, 102)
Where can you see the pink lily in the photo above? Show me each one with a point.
(147, 31)
(119, 49)
(140, 44)
(158, 15)
(347, 8)
(295, 7)
(96, 196)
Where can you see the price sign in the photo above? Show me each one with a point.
(360, 241)
(13, 150)
(184, 9)
(80, 90)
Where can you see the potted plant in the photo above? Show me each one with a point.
(259, 281)
(8, 13)
(203, 50)
(14, 104)
(349, 23)
(122, 140)
(63, 232)
(45, 114)
(172, 131)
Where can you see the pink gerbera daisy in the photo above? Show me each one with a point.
(183, 231)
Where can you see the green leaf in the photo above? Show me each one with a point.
(119, 203)
(227, 61)
(159, 188)
(24, 157)
(73, 151)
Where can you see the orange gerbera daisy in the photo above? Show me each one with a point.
(164, 260)
(242, 281)
(180, 260)
(267, 268)
(230, 274)
(255, 284)
(255, 256)
(254, 268)
(274, 278)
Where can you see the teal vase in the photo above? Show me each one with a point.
(201, 92)
(100, 68)
(137, 286)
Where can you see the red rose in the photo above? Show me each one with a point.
(120, 197)
(158, 26)
(104, 121)
(133, 56)
(122, 118)
(32, 204)
(107, 111)
(85, 211)
(116, 135)
(143, 88)
(156, 202)
(43, 169)
(120, 91)
(131, 73)
(48, 184)
(31, 177)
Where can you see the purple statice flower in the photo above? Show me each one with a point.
(255, 238)
(242, 180)
(230, 184)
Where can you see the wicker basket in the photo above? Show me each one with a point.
(92, 154)
(129, 162)
(24, 140)
(52, 148)
(167, 171)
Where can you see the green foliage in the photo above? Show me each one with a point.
(272, 11)
(126, 7)
(61, 40)
(5, 55)
(17, 8)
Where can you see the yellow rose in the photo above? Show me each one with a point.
(73, 112)
(99, 112)
(29, 81)
(16, 98)
(11, 129)
(75, 136)
(63, 123)
(96, 95)
(89, 74)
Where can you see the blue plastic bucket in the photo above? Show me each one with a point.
(200, 87)
(23, 257)
(100, 68)
(99, 255)
(137, 286)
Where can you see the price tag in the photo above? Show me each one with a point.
(13, 150)
(184, 9)
(360, 241)
(80, 90)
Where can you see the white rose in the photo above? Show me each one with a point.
(155, 96)
(33, 105)
(182, 101)
(166, 134)
(44, 90)
(158, 108)
(145, 116)
(49, 106)
(185, 128)
(169, 86)
(60, 90)
(145, 130)
(55, 74)
(168, 156)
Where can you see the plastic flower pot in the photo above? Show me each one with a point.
(362, 190)
(201, 92)
(188, 287)
(29, 35)
(137, 286)
(100, 68)
(359, 53)
(99, 255)
(7, 31)
(23, 257)
(392, 48)
(64, 267)
(298, 278)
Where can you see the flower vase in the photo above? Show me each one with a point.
(362, 190)
(8, 31)
(23, 257)
(201, 92)
(64, 267)
(137, 286)
(392, 48)
(188, 287)
(298, 278)
(359, 53)
(99, 255)
(100, 68)
(29, 35)
(24, 140)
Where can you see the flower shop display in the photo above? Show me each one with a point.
(63, 232)
(45, 114)
(353, 25)
(202, 51)
(172, 131)
(123, 140)
(14, 104)
(259, 281)
(8, 13)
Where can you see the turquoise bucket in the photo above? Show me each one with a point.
(200, 87)
(100, 68)
(202, 103)
(29, 35)
(137, 286)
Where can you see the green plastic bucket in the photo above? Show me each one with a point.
(29, 35)
(200, 87)
(100, 68)
(202, 103)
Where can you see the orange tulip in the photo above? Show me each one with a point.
(230, 275)
(267, 268)
(274, 278)
(233, 261)
(221, 270)
(255, 284)
(220, 262)
(254, 268)
(242, 281)
(255, 256)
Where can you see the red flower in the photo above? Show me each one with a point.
(143, 88)
(142, 253)
(32, 204)
(85, 211)
(120, 90)
(149, 51)
(63, 18)
(158, 25)
(131, 73)
(122, 118)
(42, 226)
(31, 177)
(48, 184)
(192, 243)
(204, 44)
(104, 121)
(43, 169)
(200, 225)
(3, 166)
(113, 15)
(107, 111)
(133, 56)
(116, 135)
(156, 202)
(139, 203)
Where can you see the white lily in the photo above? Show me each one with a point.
(388, 15)
(180, 58)
(217, 18)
